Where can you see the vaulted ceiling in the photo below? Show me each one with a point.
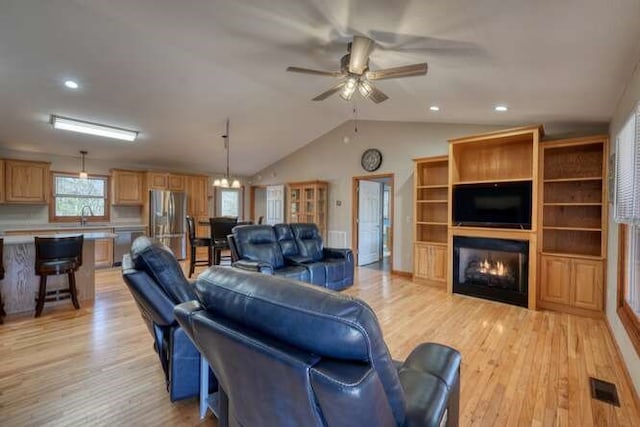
(175, 70)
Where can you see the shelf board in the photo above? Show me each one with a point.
(572, 204)
(431, 242)
(572, 255)
(432, 201)
(592, 178)
(572, 228)
(430, 223)
(490, 181)
(432, 186)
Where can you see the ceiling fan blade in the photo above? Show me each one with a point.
(376, 95)
(361, 48)
(324, 95)
(316, 72)
(396, 72)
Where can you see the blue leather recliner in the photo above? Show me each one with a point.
(157, 284)
(295, 251)
(290, 354)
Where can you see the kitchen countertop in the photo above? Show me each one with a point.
(28, 238)
(68, 226)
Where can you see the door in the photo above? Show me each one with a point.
(369, 221)
(439, 267)
(586, 281)
(555, 280)
(275, 204)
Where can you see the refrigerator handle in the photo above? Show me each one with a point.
(172, 212)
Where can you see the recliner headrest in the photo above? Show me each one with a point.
(159, 263)
(305, 316)
(254, 234)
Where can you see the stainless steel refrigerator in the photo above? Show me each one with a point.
(167, 216)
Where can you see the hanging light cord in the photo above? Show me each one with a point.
(226, 146)
(355, 116)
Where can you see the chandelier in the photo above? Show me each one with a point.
(224, 182)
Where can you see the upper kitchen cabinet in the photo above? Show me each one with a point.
(127, 187)
(197, 201)
(165, 181)
(26, 182)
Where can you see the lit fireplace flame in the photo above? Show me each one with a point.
(497, 269)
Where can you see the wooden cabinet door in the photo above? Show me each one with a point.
(1, 181)
(157, 181)
(197, 201)
(439, 264)
(26, 182)
(127, 187)
(103, 253)
(176, 182)
(555, 279)
(586, 284)
(421, 258)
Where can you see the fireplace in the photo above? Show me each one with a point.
(495, 269)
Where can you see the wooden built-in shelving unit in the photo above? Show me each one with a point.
(496, 157)
(431, 183)
(574, 224)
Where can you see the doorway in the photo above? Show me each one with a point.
(372, 211)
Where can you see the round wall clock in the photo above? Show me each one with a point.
(371, 159)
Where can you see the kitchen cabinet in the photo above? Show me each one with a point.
(103, 253)
(165, 181)
(26, 182)
(572, 281)
(197, 200)
(127, 187)
(1, 181)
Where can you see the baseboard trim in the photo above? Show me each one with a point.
(634, 392)
(406, 274)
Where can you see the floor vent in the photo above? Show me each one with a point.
(604, 391)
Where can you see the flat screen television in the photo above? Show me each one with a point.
(500, 205)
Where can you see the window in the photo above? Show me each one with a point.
(229, 202)
(627, 212)
(629, 281)
(72, 194)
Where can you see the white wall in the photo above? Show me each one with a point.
(627, 102)
(329, 158)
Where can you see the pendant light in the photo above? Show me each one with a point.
(224, 182)
(83, 172)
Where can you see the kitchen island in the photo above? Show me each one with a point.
(20, 284)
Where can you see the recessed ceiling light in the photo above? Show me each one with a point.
(71, 84)
(97, 129)
(501, 108)
(434, 108)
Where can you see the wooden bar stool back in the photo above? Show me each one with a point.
(194, 243)
(55, 256)
(2, 313)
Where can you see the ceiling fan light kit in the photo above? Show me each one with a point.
(355, 73)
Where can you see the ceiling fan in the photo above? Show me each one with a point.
(355, 74)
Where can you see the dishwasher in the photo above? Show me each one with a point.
(122, 244)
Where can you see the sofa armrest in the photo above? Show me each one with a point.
(297, 259)
(184, 312)
(255, 266)
(338, 253)
(435, 359)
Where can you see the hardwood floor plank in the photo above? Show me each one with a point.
(96, 366)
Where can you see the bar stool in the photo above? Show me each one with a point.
(220, 228)
(196, 242)
(55, 256)
(2, 313)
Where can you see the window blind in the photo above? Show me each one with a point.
(627, 183)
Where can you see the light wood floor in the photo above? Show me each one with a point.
(96, 366)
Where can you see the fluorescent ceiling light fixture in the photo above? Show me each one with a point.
(71, 84)
(80, 126)
(434, 108)
(501, 108)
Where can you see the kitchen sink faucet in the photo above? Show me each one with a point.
(83, 217)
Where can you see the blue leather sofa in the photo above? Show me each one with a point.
(289, 354)
(295, 251)
(157, 283)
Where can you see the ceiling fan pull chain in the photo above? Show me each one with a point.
(355, 117)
